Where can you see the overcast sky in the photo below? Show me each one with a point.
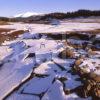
(13, 7)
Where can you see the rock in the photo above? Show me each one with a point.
(78, 62)
(91, 80)
(1, 64)
(31, 55)
(91, 52)
(97, 92)
(96, 44)
(94, 77)
(67, 54)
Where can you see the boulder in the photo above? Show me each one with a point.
(67, 54)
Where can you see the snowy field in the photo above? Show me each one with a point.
(31, 69)
(63, 26)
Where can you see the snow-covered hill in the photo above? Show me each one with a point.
(27, 14)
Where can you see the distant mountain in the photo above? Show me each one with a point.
(30, 17)
(27, 14)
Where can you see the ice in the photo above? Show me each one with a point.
(28, 35)
(17, 96)
(39, 76)
(56, 91)
(4, 52)
(74, 41)
(38, 85)
(74, 96)
(71, 83)
(48, 68)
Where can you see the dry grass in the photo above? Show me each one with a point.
(94, 31)
(10, 36)
(5, 30)
(16, 33)
(4, 23)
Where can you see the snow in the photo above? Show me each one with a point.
(14, 77)
(20, 65)
(74, 96)
(79, 42)
(91, 65)
(17, 96)
(98, 36)
(14, 72)
(37, 87)
(71, 83)
(26, 35)
(62, 27)
(56, 91)
(47, 69)
(4, 52)
(65, 63)
(27, 14)
(45, 66)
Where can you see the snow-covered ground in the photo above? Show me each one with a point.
(16, 66)
(62, 27)
(30, 69)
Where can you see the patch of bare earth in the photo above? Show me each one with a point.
(6, 36)
(4, 23)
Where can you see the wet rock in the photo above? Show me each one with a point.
(1, 64)
(96, 44)
(62, 79)
(77, 35)
(31, 55)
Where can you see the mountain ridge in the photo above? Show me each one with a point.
(47, 18)
(27, 14)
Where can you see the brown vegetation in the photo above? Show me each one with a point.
(9, 36)
(5, 30)
(4, 23)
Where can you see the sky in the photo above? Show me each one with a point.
(13, 7)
